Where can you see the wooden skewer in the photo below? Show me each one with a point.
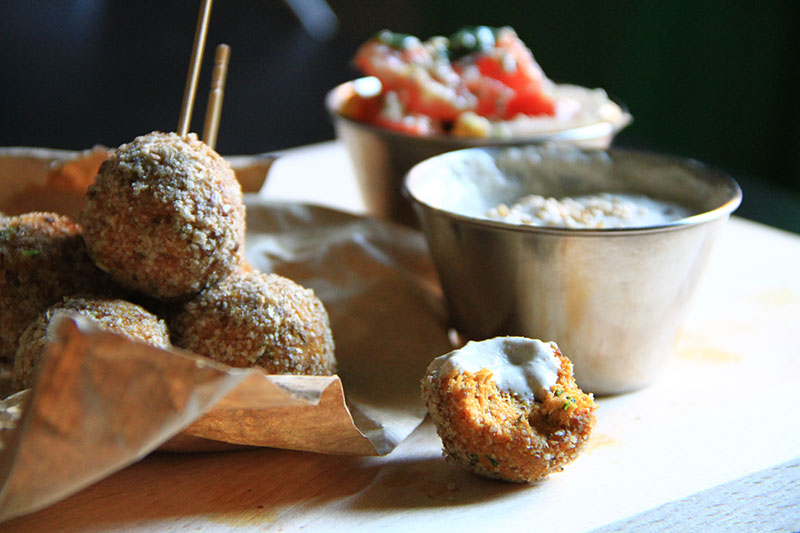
(214, 107)
(194, 67)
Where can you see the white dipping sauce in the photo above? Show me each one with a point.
(520, 366)
(606, 210)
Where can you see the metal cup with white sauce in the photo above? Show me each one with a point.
(613, 299)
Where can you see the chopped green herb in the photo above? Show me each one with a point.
(492, 460)
(569, 401)
(31, 252)
(395, 40)
(471, 39)
(558, 392)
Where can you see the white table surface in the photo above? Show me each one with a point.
(713, 445)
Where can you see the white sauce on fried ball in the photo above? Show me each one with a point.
(527, 368)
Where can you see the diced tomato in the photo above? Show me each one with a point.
(417, 88)
(528, 70)
(503, 94)
(493, 96)
(361, 108)
(424, 101)
(493, 67)
(530, 103)
(413, 125)
(512, 64)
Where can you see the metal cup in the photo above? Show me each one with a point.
(381, 158)
(612, 299)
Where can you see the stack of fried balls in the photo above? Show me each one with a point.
(157, 255)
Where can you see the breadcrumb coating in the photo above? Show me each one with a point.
(42, 259)
(117, 316)
(165, 216)
(254, 319)
(497, 435)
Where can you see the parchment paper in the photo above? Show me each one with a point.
(102, 402)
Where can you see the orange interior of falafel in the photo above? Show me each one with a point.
(499, 435)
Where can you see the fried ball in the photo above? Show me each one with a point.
(255, 319)
(165, 216)
(42, 259)
(117, 316)
(6, 387)
(508, 408)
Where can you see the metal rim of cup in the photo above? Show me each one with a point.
(708, 172)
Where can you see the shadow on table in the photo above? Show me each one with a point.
(428, 483)
(230, 488)
(263, 486)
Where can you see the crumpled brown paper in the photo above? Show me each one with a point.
(102, 402)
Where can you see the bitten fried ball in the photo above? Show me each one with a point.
(508, 408)
(255, 319)
(165, 216)
(118, 316)
(42, 259)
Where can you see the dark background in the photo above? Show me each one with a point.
(713, 80)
